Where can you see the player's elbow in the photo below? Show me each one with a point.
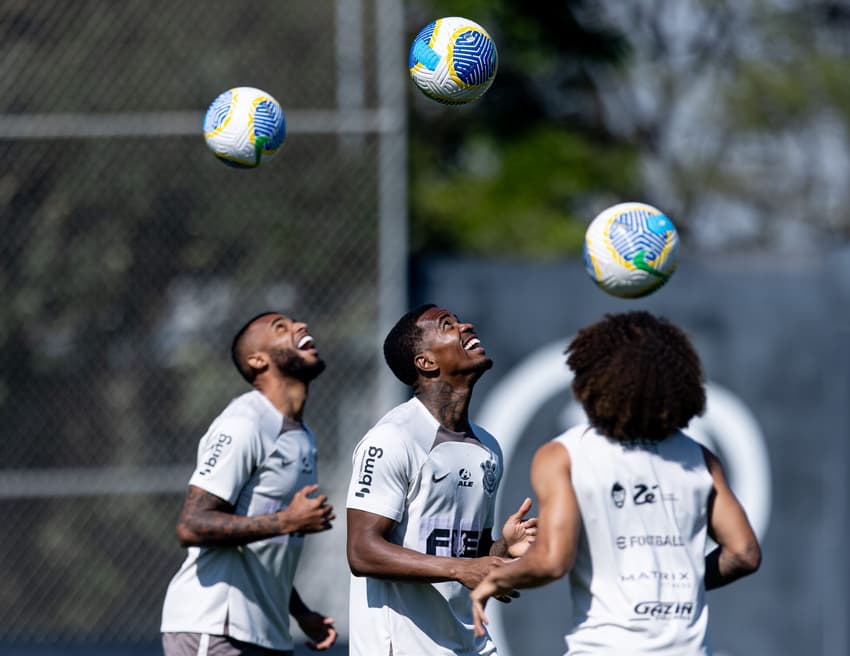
(186, 536)
(557, 568)
(749, 558)
(357, 563)
(360, 567)
(742, 559)
(550, 567)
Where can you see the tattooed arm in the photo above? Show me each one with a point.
(209, 521)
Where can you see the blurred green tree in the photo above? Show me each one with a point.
(521, 171)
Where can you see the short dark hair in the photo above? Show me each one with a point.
(402, 344)
(637, 376)
(236, 348)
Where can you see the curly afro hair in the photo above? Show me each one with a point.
(637, 376)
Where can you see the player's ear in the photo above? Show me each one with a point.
(258, 361)
(425, 363)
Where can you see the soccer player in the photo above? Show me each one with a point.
(251, 499)
(626, 501)
(421, 500)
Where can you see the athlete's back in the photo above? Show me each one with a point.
(626, 501)
(637, 583)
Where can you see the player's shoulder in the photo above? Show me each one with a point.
(248, 414)
(253, 405)
(407, 421)
(576, 435)
(680, 438)
(486, 438)
(685, 446)
(401, 429)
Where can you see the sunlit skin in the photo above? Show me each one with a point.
(449, 366)
(283, 360)
(449, 363)
(267, 341)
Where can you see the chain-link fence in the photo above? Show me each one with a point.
(130, 256)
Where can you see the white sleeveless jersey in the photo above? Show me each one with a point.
(637, 583)
(440, 489)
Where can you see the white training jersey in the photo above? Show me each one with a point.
(255, 459)
(637, 584)
(440, 489)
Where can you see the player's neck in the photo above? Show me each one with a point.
(449, 405)
(288, 395)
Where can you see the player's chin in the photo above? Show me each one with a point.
(482, 364)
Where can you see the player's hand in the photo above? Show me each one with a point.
(307, 514)
(518, 532)
(471, 571)
(482, 592)
(319, 629)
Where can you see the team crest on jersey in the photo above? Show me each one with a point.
(306, 465)
(490, 481)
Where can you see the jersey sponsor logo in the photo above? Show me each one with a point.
(641, 494)
(464, 475)
(459, 543)
(677, 579)
(645, 494)
(490, 480)
(367, 470)
(631, 541)
(663, 610)
(618, 495)
(728, 427)
(214, 453)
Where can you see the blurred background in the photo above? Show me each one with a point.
(130, 256)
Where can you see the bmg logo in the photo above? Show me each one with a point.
(367, 469)
(214, 453)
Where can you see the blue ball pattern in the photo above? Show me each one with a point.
(421, 52)
(588, 263)
(269, 122)
(474, 58)
(636, 231)
(218, 111)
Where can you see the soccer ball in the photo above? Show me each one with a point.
(631, 249)
(244, 126)
(453, 60)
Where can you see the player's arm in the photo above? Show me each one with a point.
(318, 628)
(738, 553)
(553, 552)
(370, 553)
(207, 520)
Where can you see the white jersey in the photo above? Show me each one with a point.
(255, 459)
(637, 584)
(440, 489)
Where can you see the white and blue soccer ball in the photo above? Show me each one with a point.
(244, 126)
(631, 249)
(453, 60)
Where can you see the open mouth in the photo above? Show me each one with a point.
(471, 344)
(305, 343)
